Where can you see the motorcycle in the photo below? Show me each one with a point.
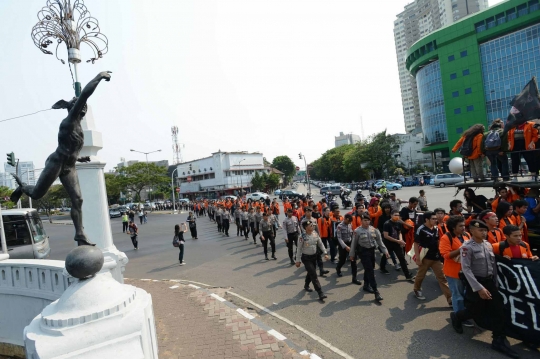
(346, 202)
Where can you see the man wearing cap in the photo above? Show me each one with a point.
(245, 222)
(344, 235)
(291, 230)
(219, 212)
(335, 219)
(308, 217)
(482, 298)
(306, 253)
(365, 239)
(266, 227)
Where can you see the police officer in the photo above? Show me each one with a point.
(291, 230)
(365, 239)
(266, 226)
(238, 219)
(226, 219)
(482, 298)
(258, 218)
(219, 212)
(308, 217)
(245, 223)
(252, 224)
(344, 235)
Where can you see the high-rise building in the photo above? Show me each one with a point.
(346, 139)
(6, 180)
(479, 64)
(417, 20)
(26, 172)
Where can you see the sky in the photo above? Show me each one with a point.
(276, 77)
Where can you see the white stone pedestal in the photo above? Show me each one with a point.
(95, 209)
(95, 318)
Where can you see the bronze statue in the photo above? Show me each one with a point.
(61, 163)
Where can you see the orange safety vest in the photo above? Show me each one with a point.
(524, 249)
(495, 238)
(516, 218)
(356, 221)
(324, 226)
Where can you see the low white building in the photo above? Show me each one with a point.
(410, 150)
(220, 174)
(346, 139)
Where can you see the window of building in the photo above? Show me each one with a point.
(470, 108)
(501, 18)
(451, 58)
(457, 111)
(468, 91)
(480, 26)
(453, 76)
(534, 6)
(455, 94)
(511, 14)
(466, 72)
(490, 22)
(522, 10)
(463, 53)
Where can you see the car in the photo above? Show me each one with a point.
(447, 179)
(114, 213)
(334, 189)
(277, 192)
(389, 185)
(231, 197)
(323, 190)
(183, 200)
(256, 196)
(150, 206)
(290, 194)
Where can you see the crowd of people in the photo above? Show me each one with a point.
(447, 242)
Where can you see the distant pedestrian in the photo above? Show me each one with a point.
(141, 215)
(422, 201)
(125, 222)
(179, 241)
(192, 225)
(134, 233)
(145, 216)
(131, 216)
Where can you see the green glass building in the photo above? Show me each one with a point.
(468, 72)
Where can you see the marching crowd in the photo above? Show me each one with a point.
(459, 249)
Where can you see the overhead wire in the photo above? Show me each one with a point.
(30, 114)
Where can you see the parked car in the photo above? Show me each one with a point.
(445, 179)
(334, 189)
(183, 200)
(256, 196)
(150, 206)
(290, 194)
(323, 190)
(114, 213)
(231, 197)
(277, 192)
(389, 185)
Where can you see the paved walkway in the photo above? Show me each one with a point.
(192, 322)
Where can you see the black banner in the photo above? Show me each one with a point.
(519, 285)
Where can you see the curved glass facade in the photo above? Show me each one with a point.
(508, 63)
(431, 100)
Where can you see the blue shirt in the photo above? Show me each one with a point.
(530, 215)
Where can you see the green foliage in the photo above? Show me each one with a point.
(356, 162)
(52, 199)
(273, 181)
(141, 175)
(285, 165)
(6, 192)
(258, 182)
(114, 185)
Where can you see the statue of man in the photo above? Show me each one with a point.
(61, 163)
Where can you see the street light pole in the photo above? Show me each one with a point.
(172, 188)
(147, 166)
(241, 174)
(307, 172)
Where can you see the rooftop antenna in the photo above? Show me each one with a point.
(362, 137)
(176, 146)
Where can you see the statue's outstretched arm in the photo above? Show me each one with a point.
(89, 90)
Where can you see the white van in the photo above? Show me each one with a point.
(25, 235)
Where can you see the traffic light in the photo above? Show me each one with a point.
(190, 167)
(300, 155)
(11, 159)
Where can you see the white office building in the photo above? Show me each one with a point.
(220, 174)
(418, 19)
(6, 180)
(26, 172)
(346, 139)
(409, 153)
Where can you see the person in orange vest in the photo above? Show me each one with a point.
(374, 211)
(449, 246)
(441, 222)
(324, 224)
(523, 138)
(503, 195)
(520, 208)
(513, 246)
(504, 212)
(476, 157)
(494, 233)
(286, 205)
(357, 218)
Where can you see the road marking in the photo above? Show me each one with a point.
(155, 280)
(308, 333)
(217, 297)
(146, 280)
(174, 287)
(276, 334)
(244, 313)
(194, 286)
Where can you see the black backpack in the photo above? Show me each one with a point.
(466, 148)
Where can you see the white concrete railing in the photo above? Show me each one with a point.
(27, 286)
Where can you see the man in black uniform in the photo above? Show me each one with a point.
(482, 297)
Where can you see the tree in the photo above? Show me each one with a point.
(273, 181)
(257, 182)
(331, 165)
(114, 185)
(285, 165)
(379, 154)
(52, 199)
(4, 193)
(140, 175)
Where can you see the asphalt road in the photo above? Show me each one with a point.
(400, 327)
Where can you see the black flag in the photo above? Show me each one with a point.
(525, 106)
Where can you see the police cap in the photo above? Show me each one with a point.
(478, 224)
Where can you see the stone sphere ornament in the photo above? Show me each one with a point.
(84, 262)
(456, 165)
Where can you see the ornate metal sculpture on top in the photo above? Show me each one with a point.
(61, 163)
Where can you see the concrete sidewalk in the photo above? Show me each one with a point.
(193, 322)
